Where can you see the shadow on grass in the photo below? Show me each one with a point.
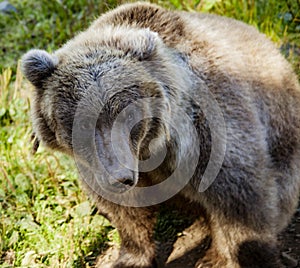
(97, 247)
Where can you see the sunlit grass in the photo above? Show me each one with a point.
(45, 220)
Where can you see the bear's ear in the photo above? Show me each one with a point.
(144, 44)
(140, 43)
(37, 65)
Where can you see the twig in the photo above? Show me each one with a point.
(7, 180)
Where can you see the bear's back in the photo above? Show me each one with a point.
(209, 40)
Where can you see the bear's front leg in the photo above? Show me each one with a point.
(235, 245)
(136, 228)
(137, 243)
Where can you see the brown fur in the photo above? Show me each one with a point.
(141, 50)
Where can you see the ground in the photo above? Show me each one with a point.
(183, 249)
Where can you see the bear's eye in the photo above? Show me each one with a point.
(130, 117)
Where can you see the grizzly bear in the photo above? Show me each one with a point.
(153, 104)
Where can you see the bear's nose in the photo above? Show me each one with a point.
(128, 181)
(124, 183)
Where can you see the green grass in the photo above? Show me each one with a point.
(43, 24)
(45, 218)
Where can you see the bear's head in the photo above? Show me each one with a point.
(105, 95)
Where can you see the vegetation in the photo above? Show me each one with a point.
(45, 219)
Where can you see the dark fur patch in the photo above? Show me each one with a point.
(168, 25)
(37, 65)
(257, 254)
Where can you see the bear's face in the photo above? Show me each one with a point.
(99, 101)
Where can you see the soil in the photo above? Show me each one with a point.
(183, 250)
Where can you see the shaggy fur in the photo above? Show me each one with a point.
(141, 50)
